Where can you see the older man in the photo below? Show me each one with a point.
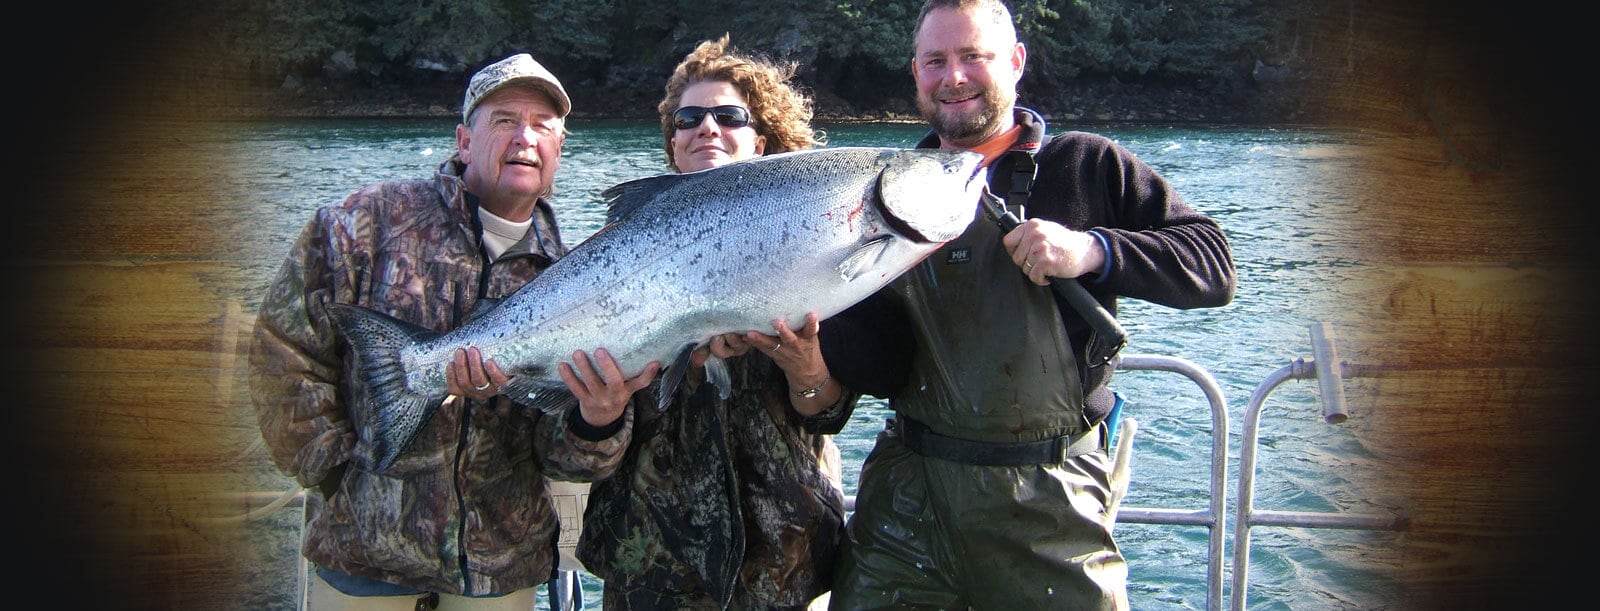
(463, 514)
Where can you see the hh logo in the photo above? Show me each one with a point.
(959, 255)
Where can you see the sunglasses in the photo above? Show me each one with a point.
(689, 117)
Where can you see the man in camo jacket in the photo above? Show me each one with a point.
(464, 513)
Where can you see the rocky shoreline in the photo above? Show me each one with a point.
(1090, 103)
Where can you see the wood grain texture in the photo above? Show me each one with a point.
(1479, 309)
(137, 440)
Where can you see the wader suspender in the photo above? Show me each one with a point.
(1023, 171)
(1106, 336)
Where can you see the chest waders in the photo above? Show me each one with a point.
(996, 495)
(1006, 392)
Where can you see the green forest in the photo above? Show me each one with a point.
(614, 55)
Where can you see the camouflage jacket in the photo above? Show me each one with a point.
(718, 503)
(465, 509)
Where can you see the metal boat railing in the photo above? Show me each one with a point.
(1330, 395)
(1212, 515)
(1330, 374)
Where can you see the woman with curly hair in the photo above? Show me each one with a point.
(777, 113)
(729, 503)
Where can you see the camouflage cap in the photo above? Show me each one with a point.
(517, 69)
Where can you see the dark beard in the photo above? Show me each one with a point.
(965, 131)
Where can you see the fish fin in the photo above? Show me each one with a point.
(717, 374)
(398, 414)
(623, 198)
(549, 397)
(861, 260)
(673, 377)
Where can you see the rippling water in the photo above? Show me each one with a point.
(1282, 195)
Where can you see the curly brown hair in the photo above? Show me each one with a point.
(778, 108)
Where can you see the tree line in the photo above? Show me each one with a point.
(856, 49)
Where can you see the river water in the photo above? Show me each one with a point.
(1283, 195)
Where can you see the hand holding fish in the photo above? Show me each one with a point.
(795, 352)
(603, 394)
(724, 346)
(799, 354)
(469, 375)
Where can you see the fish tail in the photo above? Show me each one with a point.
(397, 413)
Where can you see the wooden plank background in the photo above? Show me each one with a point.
(134, 427)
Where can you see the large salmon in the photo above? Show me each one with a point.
(684, 257)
